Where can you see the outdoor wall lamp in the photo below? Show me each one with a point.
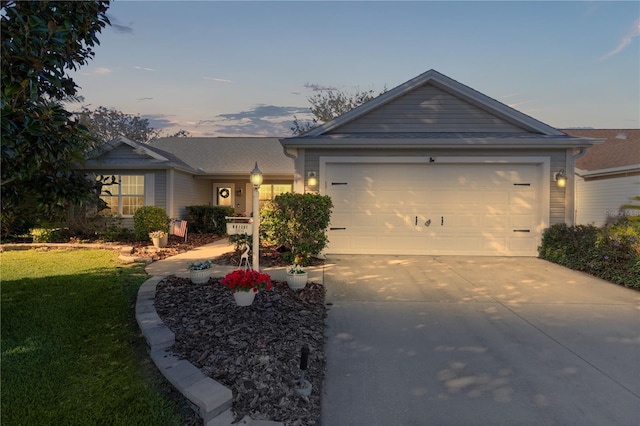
(256, 181)
(561, 178)
(312, 179)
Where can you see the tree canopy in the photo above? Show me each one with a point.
(42, 142)
(329, 104)
(106, 124)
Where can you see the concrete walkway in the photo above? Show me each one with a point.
(420, 340)
(178, 265)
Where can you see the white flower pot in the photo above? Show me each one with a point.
(244, 298)
(160, 242)
(200, 276)
(297, 281)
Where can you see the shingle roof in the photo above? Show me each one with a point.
(621, 148)
(228, 155)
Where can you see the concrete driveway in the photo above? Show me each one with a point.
(419, 340)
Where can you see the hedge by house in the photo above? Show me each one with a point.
(298, 222)
(205, 219)
(148, 219)
(611, 252)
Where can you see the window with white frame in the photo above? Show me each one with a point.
(124, 196)
(270, 191)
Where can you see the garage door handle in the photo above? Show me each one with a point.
(521, 230)
(441, 220)
(337, 229)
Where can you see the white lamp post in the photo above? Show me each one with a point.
(256, 181)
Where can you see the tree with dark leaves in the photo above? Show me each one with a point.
(106, 124)
(42, 143)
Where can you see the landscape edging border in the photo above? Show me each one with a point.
(209, 398)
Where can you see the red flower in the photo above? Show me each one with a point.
(249, 280)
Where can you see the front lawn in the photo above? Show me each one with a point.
(71, 350)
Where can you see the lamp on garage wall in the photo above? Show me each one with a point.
(256, 181)
(561, 178)
(312, 178)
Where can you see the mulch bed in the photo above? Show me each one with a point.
(253, 350)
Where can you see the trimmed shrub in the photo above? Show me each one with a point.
(207, 219)
(611, 253)
(46, 235)
(570, 246)
(147, 219)
(297, 221)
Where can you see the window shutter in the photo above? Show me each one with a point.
(149, 189)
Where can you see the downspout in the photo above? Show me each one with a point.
(570, 192)
(298, 164)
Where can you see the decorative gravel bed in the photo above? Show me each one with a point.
(253, 350)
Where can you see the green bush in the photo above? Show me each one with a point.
(297, 221)
(46, 235)
(147, 219)
(207, 219)
(611, 252)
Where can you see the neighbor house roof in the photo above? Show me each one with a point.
(146, 157)
(621, 149)
(229, 156)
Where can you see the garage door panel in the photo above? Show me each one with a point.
(473, 208)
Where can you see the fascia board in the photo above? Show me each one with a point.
(480, 143)
(609, 171)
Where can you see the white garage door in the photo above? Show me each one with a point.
(475, 209)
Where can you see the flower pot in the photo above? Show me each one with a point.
(200, 276)
(297, 281)
(244, 298)
(160, 242)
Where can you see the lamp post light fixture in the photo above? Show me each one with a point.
(256, 181)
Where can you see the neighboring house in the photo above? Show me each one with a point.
(177, 172)
(435, 167)
(608, 176)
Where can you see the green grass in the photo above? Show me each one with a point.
(71, 351)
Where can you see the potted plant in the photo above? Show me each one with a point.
(296, 277)
(199, 271)
(159, 238)
(245, 284)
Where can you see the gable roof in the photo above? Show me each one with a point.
(422, 109)
(621, 149)
(136, 156)
(229, 156)
(448, 85)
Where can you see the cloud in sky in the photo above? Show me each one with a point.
(143, 68)
(99, 71)
(261, 120)
(119, 27)
(318, 87)
(626, 40)
(222, 80)
(265, 111)
(161, 121)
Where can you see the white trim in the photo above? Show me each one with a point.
(232, 195)
(170, 207)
